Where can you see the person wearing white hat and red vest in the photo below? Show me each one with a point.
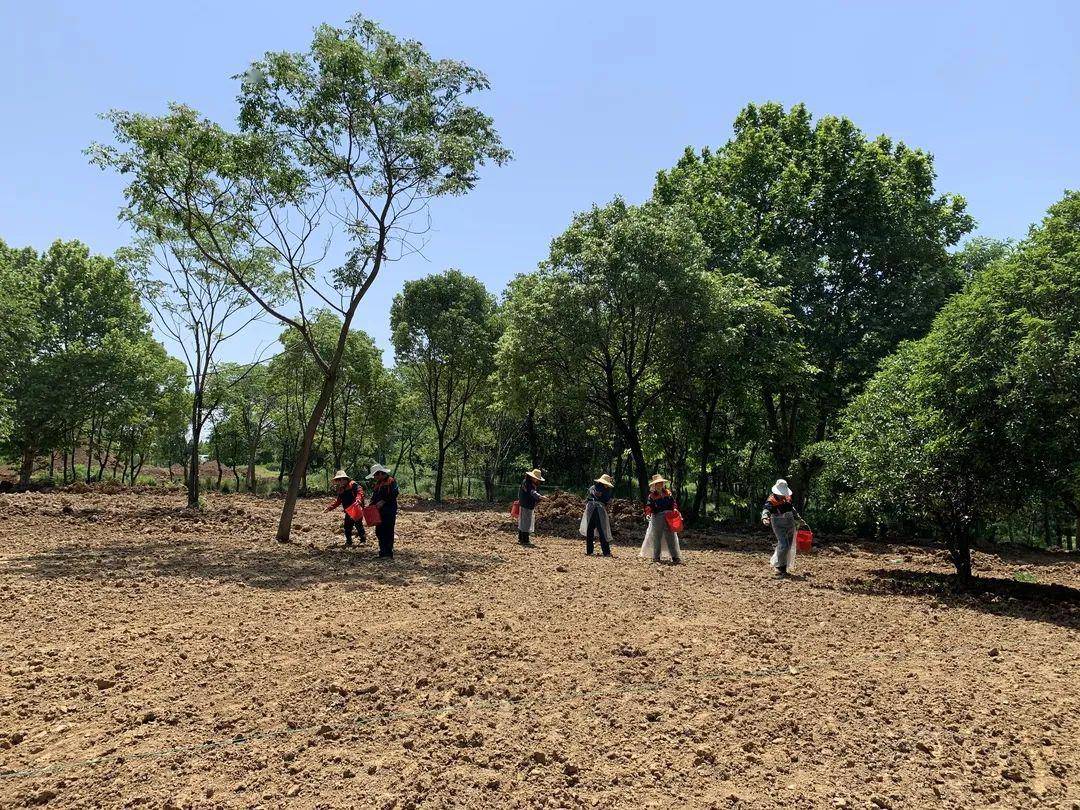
(385, 498)
(348, 493)
(779, 512)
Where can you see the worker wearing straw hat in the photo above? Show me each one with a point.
(348, 493)
(595, 520)
(528, 497)
(660, 541)
(779, 512)
(385, 498)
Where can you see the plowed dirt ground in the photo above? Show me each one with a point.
(154, 657)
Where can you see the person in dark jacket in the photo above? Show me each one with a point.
(528, 497)
(595, 520)
(385, 498)
(348, 493)
(779, 512)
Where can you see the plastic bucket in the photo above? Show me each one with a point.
(515, 509)
(674, 520)
(372, 516)
(804, 540)
(355, 511)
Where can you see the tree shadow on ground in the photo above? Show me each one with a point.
(282, 567)
(1035, 601)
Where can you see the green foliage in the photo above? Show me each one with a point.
(86, 371)
(19, 328)
(966, 423)
(352, 138)
(444, 333)
(850, 227)
(601, 319)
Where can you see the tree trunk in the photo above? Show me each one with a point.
(440, 462)
(639, 465)
(193, 469)
(530, 432)
(27, 468)
(89, 449)
(299, 468)
(703, 471)
(960, 554)
(250, 474)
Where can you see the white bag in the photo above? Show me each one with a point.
(583, 528)
(790, 564)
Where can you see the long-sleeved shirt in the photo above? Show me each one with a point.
(776, 505)
(385, 496)
(600, 494)
(351, 493)
(528, 495)
(660, 502)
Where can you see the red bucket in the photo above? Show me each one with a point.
(355, 511)
(515, 509)
(674, 520)
(804, 540)
(372, 516)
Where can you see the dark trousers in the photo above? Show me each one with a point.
(350, 524)
(596, 528)
(523, 538)
(385, 532)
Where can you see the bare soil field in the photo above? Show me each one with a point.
(153, 657)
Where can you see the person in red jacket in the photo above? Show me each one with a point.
(348, 493)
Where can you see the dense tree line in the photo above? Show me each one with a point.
(790, 303)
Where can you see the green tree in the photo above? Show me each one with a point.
(196, 304)
(19, 328)
(444, 334)
(737, 339)
(850, 227)
(603, 314)
(91, 343)
(966, 423)
(357, 134)
(249, 403)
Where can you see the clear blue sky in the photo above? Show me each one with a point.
(592, 97)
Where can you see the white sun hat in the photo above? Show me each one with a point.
(339, 475)
(781, 488)
(378, 468)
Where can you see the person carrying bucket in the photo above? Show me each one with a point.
(660, 541)
(528, 497)
(779, 512)
(350, 497)
(384, 498)
(595, 520)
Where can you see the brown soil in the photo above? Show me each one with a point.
(151, 656)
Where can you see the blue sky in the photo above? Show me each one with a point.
(592, 97)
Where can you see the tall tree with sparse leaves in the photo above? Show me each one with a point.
(342, 146)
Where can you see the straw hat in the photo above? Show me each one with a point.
(378, 468)
(606, 480)
(781, 488)
(535, 475)
(657, 479)
(340, 474)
